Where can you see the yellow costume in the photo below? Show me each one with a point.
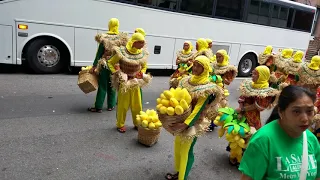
(129, 79)
(292, 67)
(202, 49)
(184, 62)
(209, 42)
(309, 74)
(205, 95)
(266, 55)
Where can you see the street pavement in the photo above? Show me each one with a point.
(47, 133)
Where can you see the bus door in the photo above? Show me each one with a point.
(6, 44)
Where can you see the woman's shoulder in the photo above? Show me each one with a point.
(265, 133)
(312, 138)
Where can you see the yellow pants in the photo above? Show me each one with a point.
(131, 98)
(183, 156)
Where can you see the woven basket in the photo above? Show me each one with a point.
(148, 137)
(167, 120)
(174, 83)
(129, 68)
(87, 82)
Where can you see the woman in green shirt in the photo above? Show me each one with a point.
(276, 150)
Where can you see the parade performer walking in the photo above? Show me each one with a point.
(255, 96)
(202, 49)
(106, 42)
(267, 58)
(309, 74)
(205, 95)
(131, 76)
(227, 72)
(278, 76)
(210, 44)
(184, 62)
(292, 67)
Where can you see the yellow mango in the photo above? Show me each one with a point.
(168, 94)
(236, 137)
(158, 124)
(150, 119)
(163, 110)
(144, 117)
(141, 113)
(159, 106)
(155, 119)
(151, 126)
(144, 123)
(188, 98)
(165, 102)
(178, 110)
(174, 102)
(138, 121)
(184, 104)
(170, 111)
(162, 96)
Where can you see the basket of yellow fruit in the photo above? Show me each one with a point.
(149, 127)
(174, 106)
(87, 81)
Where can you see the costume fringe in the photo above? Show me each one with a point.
(102, 63)
(109, 41)
(308, 76)
(133, 59)
(205, 53)
(120, 82)
(221, 70)
(280, 62)
(247, 90)
(262, 59)
(274, 79)
(184, 58)
(198, 130)
(292, 67)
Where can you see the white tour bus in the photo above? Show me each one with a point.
(50, 35)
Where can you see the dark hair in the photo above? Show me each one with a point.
(287, 96)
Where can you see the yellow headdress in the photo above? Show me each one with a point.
(204, 76)
(140, 30)
(226, 57)
(268, 50)
(202, 44)
(287, 53)
(315, 63)
(113, 26)
(264, 76)
(297, 57)
(190, 48)
(135, 37)
(208, 41)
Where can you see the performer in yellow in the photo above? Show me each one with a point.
(309, 74)
(205, 95)
(106, 42)
(210, 43)
(267, 58)
(132, 59)
(141, 31)
(184, 62)
(228, 73)
(292, 67)
(277, 75)
(202, 49)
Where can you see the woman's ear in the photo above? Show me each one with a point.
(280, 113)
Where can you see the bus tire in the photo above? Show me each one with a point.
(45, 55)
(246, 65)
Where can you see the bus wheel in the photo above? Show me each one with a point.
(45, 56)
(246, 65)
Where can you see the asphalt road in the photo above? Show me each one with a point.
(47, 133)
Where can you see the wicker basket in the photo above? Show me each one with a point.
(148, 137)
(87, 82)
(129, 68)
(167, 120)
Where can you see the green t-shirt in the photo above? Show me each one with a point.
(272, 154)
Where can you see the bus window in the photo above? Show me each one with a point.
(258, 12)
(196, 6)
(303, 21)
(279, 16)
(167, 4)
(232, 9)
